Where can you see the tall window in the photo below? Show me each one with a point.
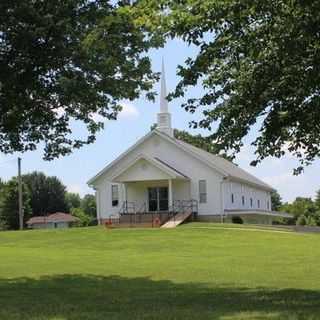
(232, 198)
(258, 203)
(251, 202)
(268, 206)
(243, 201)
(202, 191)
(115, 195)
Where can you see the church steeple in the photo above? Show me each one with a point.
(164, 117)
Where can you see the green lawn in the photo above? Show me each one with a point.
(197, 271)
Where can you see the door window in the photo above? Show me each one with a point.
(158, 199)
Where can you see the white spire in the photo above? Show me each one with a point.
(164, 117)
(163, 96)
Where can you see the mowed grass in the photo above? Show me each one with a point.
(197, 271)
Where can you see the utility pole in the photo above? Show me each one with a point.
(20, 195)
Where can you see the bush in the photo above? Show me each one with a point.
(3, 225)
(301, 221)
(84, 218)
(237, 219)
(311, 221)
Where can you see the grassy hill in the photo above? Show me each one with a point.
(196, 271)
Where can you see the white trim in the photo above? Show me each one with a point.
(122, 155)
(173, 174)
(188, 151)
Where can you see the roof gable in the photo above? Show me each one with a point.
(145, 168)
(226, 168)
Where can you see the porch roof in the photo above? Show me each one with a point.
(159, 170)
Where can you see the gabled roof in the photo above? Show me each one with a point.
(232, 170)
(55, 217)
(221, 165)
(161, 165)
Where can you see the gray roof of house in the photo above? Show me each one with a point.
(232, 170)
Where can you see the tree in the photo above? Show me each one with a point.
(276, 202)
(47, 193)
(84, 218)
(258, 64)
(9, 204)
(89, 206)
(317, 200)
(64, 61)
(73, 200)
(303, 207)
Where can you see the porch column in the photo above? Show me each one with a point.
(125, 192)
(170, 193)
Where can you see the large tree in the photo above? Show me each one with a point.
(47, 193)
(89, 206)
(258, 63)
(276, 201)
(66, 60)
(73, 200)
(9, 204)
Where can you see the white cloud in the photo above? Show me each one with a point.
(82, 189)
(128, 111)
(76, 188)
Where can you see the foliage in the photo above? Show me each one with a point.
(89, 205)
(204, 143)
(9, 204)
(81, 274)
(302, 220)
(258, 64)
(47, 193)
(84, 218)
(237, 220)
(73, 200)
(276, 202)
(64, 61)
(317, 200)
(303, 207)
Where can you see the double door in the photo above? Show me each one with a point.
(158, 199)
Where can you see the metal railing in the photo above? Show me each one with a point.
(137, 214)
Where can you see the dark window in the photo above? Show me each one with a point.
(258, 203)
(202, 191)
(232, 198)
(268, 204)
(251, 202)
(243, 201)
(115, 195)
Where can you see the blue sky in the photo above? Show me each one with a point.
(135, 121)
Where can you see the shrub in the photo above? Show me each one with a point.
(301, 221)
(311, 221)
(84, 219)
(237, 219)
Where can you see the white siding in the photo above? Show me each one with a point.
(239, 190)
(156, 146)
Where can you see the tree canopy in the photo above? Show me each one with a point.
(47, 194)
(258, 63)
(9, 204)
(62, 61)
(276, 201)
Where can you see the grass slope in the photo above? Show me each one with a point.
(192, 272)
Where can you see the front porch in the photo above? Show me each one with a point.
(152, 190)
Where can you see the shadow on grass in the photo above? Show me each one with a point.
(79, 297)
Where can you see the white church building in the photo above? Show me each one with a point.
(161, 174)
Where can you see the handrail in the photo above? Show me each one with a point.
(126, 207)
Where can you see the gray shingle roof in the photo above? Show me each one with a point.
(232, 170)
